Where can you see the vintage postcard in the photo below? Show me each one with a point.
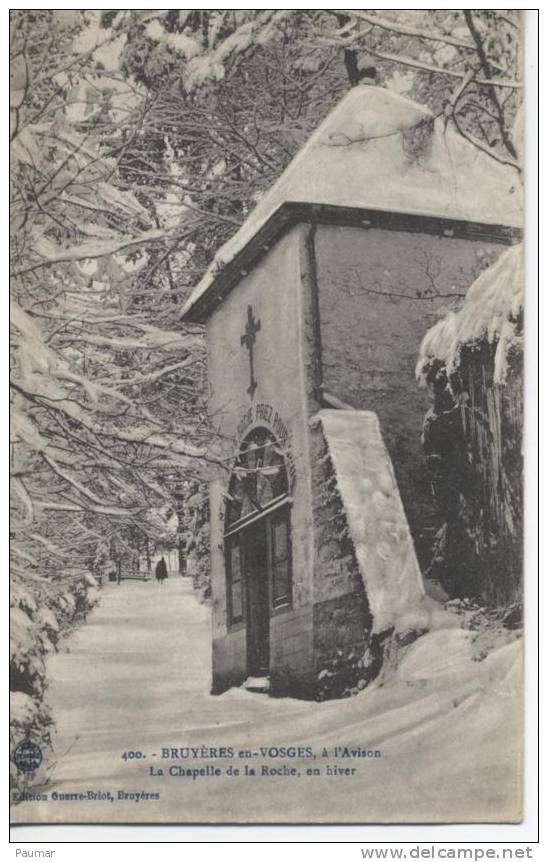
(267, 416)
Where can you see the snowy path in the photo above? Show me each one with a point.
(136, 677)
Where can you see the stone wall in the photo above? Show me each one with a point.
(229, 659)
(346, 658)
(292, 660)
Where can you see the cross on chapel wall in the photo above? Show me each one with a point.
(247, 340)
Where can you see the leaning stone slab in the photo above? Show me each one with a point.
(378, 526)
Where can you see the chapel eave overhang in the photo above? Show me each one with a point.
(291, 213)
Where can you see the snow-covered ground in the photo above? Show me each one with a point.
(136, 678)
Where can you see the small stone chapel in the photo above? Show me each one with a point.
(315, 310)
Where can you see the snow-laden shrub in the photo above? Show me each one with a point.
(47, 618)
(197, 547)
(92, 597)
(472, 437)
(27, 669)
(90, 581)
(41, 614)
(29, 719)
(23, 599)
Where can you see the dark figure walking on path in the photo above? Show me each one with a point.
(161, 570)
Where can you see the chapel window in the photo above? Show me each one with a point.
(280, 558)
(234, 577)
(259, 477)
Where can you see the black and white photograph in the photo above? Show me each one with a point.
(267, 416)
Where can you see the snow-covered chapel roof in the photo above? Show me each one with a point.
(378, 150)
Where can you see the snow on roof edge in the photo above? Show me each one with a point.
(218, 264)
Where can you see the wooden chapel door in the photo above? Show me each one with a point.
(258, 599)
